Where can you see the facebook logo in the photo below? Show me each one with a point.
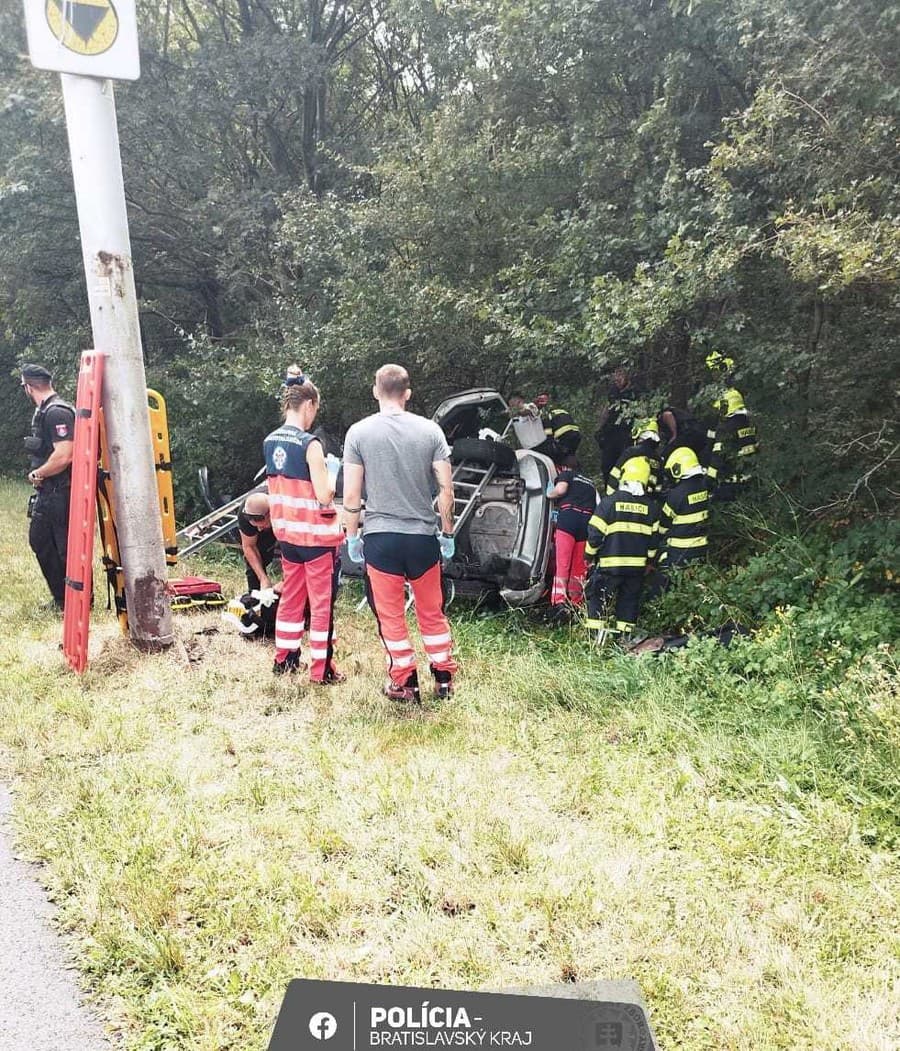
(322, 1025)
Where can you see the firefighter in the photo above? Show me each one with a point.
(735, 444)
(307, 527)
(622, 535)
(646, 443)
(560, 428)
(576, 499)
(684, 516)
(50, 448)
(402, 460)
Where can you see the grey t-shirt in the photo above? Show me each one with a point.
(396, 451)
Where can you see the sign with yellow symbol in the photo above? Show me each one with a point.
(95, 38)
(87, 27)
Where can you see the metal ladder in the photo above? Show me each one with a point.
(467, 494)
(212, 526)
(464, 505)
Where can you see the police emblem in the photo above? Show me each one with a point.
(279, 457)
(62, 430)
(87, 27)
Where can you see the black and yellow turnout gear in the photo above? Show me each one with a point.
(562, 428)
(647, 449)
(622, 537)
(735, 443)
(684, 518)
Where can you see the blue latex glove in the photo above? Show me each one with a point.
(550, 487)
(448, 546)
(355, 548)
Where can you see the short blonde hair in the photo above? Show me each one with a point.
(392, 381)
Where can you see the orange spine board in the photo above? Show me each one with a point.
(82, 511)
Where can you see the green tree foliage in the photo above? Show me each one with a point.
(516, 193)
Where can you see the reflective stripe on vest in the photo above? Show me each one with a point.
(297, 516)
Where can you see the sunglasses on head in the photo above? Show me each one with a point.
(292, 381)
(258, 517)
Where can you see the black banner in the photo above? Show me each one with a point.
(346, 1016)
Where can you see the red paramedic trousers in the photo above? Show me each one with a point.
(315, 581)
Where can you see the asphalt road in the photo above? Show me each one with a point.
(41, 1007)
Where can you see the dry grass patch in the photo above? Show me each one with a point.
(210, 831)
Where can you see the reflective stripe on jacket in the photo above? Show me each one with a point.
(735, 441)
(684, 521)
(622, 533)
(558, 423)
(648, 449)
(297, 516)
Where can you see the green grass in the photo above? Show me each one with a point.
(209, 832)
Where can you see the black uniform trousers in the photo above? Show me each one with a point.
(624, 589)
(49, 536)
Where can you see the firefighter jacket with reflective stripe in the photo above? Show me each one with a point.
(622, 534)
(297, 516)
(684, 521)
(559, 422)
(733, 448)
(649, 450)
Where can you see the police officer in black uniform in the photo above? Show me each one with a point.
(50, 449)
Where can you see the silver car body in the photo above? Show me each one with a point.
(504, 548)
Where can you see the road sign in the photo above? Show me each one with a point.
(93, 38)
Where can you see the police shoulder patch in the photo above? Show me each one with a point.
(62, 430)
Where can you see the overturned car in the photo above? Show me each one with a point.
(502, 516)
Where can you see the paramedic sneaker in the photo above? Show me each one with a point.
(407, 692)
(290, 664)
(443, 685)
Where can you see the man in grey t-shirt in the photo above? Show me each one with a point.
(403, 461)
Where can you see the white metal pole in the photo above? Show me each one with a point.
(106, 248)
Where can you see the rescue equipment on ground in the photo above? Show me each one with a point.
(253, 613)
(193, 593)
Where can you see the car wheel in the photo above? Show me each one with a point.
(483, 451)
